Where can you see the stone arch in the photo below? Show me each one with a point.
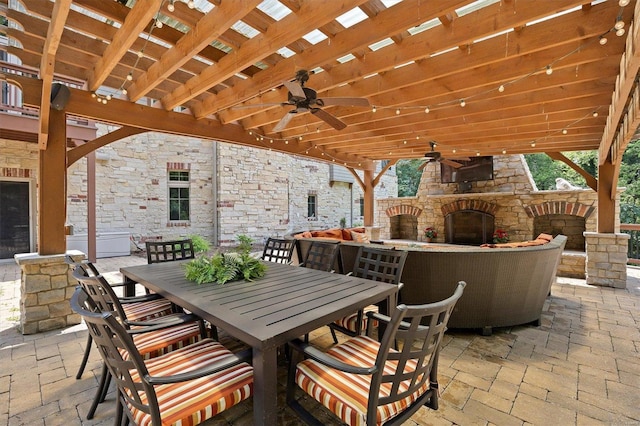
(559, 207)
(468, 204)
(403, 209)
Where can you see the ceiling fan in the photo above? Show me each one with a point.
(305, 99)
(434, 155)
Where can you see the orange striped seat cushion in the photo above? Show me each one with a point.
(145, 311)
(346, 394)
(156, 343)
(349, 322)
(192, 402)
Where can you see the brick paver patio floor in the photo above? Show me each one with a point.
(581, 367)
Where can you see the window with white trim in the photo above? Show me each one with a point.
(312, 205)
(179, 206)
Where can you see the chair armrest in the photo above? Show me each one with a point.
(160, 323)
(235, 359)
(137, 299)
(383, 318)
(317, 355)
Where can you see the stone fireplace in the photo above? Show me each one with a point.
(510, 201)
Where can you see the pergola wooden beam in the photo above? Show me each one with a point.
(137, 19)
(47, 62)
(283, 32)
(219, 19)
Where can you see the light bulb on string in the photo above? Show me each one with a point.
(140, 54)
(533, 144)
(426, 110)
(565, 131)
(462, 103)
(619, 24)
(623, 3)
(478, 154)
(504, 151)
(170, 6)
(93, 94)
(129, 77)
(191, 4)
(595, 113)
(158, 23)
(397, 111)
(549, 70)
(124, 91)
(620, 32)
(374, 109)
(603, 40)
(501, 88)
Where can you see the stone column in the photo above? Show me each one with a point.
(46, 286)
(607, 259)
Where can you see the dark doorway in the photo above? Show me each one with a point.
(571, 226)
(14, 218)
(468, 227)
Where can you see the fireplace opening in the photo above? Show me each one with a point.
(571, 226)
(470, 227)
(404, 227)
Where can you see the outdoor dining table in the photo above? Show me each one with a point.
(288, 302)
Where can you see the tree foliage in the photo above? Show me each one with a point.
(408, 177)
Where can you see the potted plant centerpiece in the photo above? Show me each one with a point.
(430, 234)
(224, 267)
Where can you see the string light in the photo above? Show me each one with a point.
(549, 70)
(501, 88)
(533, 144)
(595, 113)
(620, 32)
(462, 103)
(170, 6)
(623, 3)
(564, 131)
(426, 110)
(603, 40)
(374, 109)
(191, 4)
(398, 111)
(504, 151)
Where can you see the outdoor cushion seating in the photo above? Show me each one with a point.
(152, 338)
(506, 286)
(186, 386)
(278, 250)
(539, 241)
(366, 381)
(377, 264)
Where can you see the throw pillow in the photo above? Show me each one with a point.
(359, 237)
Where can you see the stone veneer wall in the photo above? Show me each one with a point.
(261, 193)
(46, 287)
(607, 259)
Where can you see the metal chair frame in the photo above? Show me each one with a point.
(377, 264)
(418, 331)
(169, 251)
(278, 250)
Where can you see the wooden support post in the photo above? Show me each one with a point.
(52, 190)
(606, 198)
(368, 197)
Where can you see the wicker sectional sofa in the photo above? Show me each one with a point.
(506, 286)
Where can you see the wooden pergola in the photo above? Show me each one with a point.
(477, 77)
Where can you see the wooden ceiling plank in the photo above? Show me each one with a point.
(206, 30)
(134, 24)
(290, 28)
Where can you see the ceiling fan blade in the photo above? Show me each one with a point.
(332, 120)
(364, 102)
(284, 121)
(451, 163)
(295, 89)
(260, 105)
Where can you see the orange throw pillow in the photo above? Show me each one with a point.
(359, 237)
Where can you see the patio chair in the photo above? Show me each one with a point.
(375, 264)
(363, 381)
(321, 255)
(152, 338)
(141, 308)
(169, 251)
(278, 250)
(186, 386)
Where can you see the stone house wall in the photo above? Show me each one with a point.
(258, 192)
